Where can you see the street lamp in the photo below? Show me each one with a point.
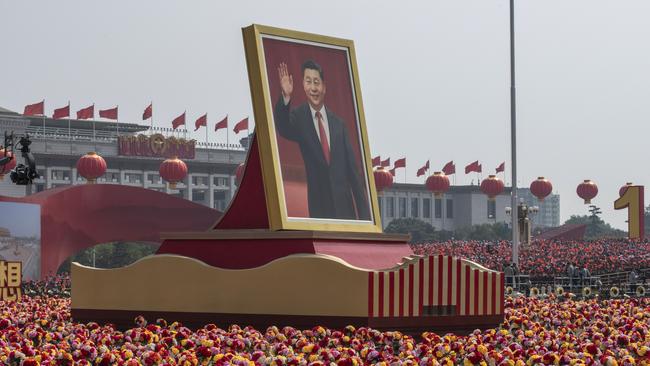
(524, 215)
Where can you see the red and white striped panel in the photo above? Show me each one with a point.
(435, 280)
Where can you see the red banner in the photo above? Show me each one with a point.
(148, 112)
(34, 109)
(222, 124)
(156, 146)
(109, 113)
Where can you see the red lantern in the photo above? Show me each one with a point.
(239, 173)
(91, 166)
(438, 183)
(541, 188)
(173, 171)
(383, 178)
(587, 190)
(492, 186)
(621, 191)
(5, 169)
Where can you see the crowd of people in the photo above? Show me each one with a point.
(58, 285)
(549, 258)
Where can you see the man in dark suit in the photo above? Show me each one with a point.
(334, 188)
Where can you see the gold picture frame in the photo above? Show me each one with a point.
(281, 214)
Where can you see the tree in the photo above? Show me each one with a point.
(596, 227)
(110, 255)
(595, 213)
(496, 231)
(421, 232)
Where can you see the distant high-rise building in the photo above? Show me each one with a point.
(549, 208)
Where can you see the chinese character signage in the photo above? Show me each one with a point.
(156, 146)
(10, 280)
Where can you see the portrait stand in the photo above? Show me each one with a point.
(242, 238)
(265, 263)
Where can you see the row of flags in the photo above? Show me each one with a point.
(448, 169)
(112, 113)
(399, 163)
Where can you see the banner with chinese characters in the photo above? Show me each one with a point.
(156, 146)
(10, 280)
(20, 237)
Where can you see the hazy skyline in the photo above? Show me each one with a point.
(434, 76)
(21, 219)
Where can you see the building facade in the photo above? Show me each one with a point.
(58, 144)
(460, 206)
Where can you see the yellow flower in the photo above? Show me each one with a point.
(529, 333)
(207, 343)
(308, 348)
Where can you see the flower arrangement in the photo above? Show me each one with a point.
(535, 331)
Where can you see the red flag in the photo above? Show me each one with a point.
(480, 168)
(449, 168)
(423, 170)
(61, 112)
(202, 121)
(178, 121)
(502, 167)
(86, 113)
(34, 109)
(385, 163)
(376, 161)
(222, 124)
(392, 171)
(148, 112)
(400, 163)
(109, 113)
(241, 125)
(473, 167)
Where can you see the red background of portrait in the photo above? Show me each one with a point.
(339, 98)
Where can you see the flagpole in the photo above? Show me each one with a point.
(151, 104)
(207, 150)
(228, 141)
(44, 121)
(69, 135)
(117, 121)
(513, 139)
(94, 135)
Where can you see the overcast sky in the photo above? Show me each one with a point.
(21, 219)
(434, 76)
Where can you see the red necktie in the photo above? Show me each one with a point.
(323, 137)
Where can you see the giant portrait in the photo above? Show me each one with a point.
(311, 131)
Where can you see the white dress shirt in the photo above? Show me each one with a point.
(326, 124)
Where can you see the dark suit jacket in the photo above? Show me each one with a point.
(330, 188)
